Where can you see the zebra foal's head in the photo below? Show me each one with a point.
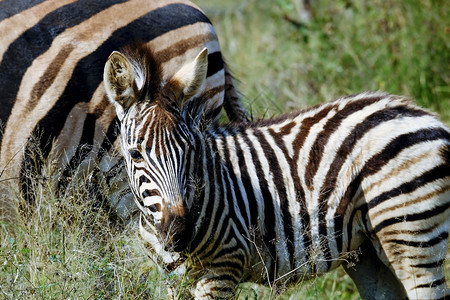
(155, 138)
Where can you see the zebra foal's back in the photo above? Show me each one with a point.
(51, 64)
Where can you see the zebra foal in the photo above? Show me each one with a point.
(52, 54)
(286, 198)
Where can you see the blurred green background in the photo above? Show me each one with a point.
(401, 47)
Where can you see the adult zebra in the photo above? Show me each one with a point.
(52, 55)
(287, 198)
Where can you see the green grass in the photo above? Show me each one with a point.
(66, 248)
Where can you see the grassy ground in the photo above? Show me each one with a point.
(66, 248)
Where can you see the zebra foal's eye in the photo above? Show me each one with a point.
(135, 155)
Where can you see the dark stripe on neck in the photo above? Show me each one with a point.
(208, 200)
(227, 196)
(231, 176)
(297, 145)
(247, 184)
(9, 8)
(281, 188)
(269, 238)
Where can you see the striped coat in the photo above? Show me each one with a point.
(363, 180)
(51, 63)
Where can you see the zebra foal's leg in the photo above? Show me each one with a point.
(219, 281)
(374, 279)
(416, 250)
(212, 287)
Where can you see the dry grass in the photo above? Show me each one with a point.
(69, 247)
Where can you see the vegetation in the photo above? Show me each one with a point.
(66, 247)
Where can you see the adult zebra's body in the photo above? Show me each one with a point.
(291, 197)
(52, 55)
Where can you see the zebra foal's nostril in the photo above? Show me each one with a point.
(155, 207)
(150, 193)
(151, 203)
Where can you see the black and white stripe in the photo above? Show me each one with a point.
(52, 55)
(285, 199)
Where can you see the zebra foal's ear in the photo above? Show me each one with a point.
(188, 81)
(119, 82)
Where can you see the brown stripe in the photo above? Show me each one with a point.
(49, 76)
(12, 27)
(435, 193)
(286, 129)
(397, 171)
(307, 123)
(100, 107)
(414, 256)
(209, 94)
(412, 232)
(183, 46)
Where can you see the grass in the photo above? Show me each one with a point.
(65, 247)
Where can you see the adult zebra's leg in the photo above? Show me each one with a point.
(372, 277)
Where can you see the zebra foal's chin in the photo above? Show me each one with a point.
(54, 107)
(363, 180)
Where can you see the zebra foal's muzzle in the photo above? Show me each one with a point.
(176, 227)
